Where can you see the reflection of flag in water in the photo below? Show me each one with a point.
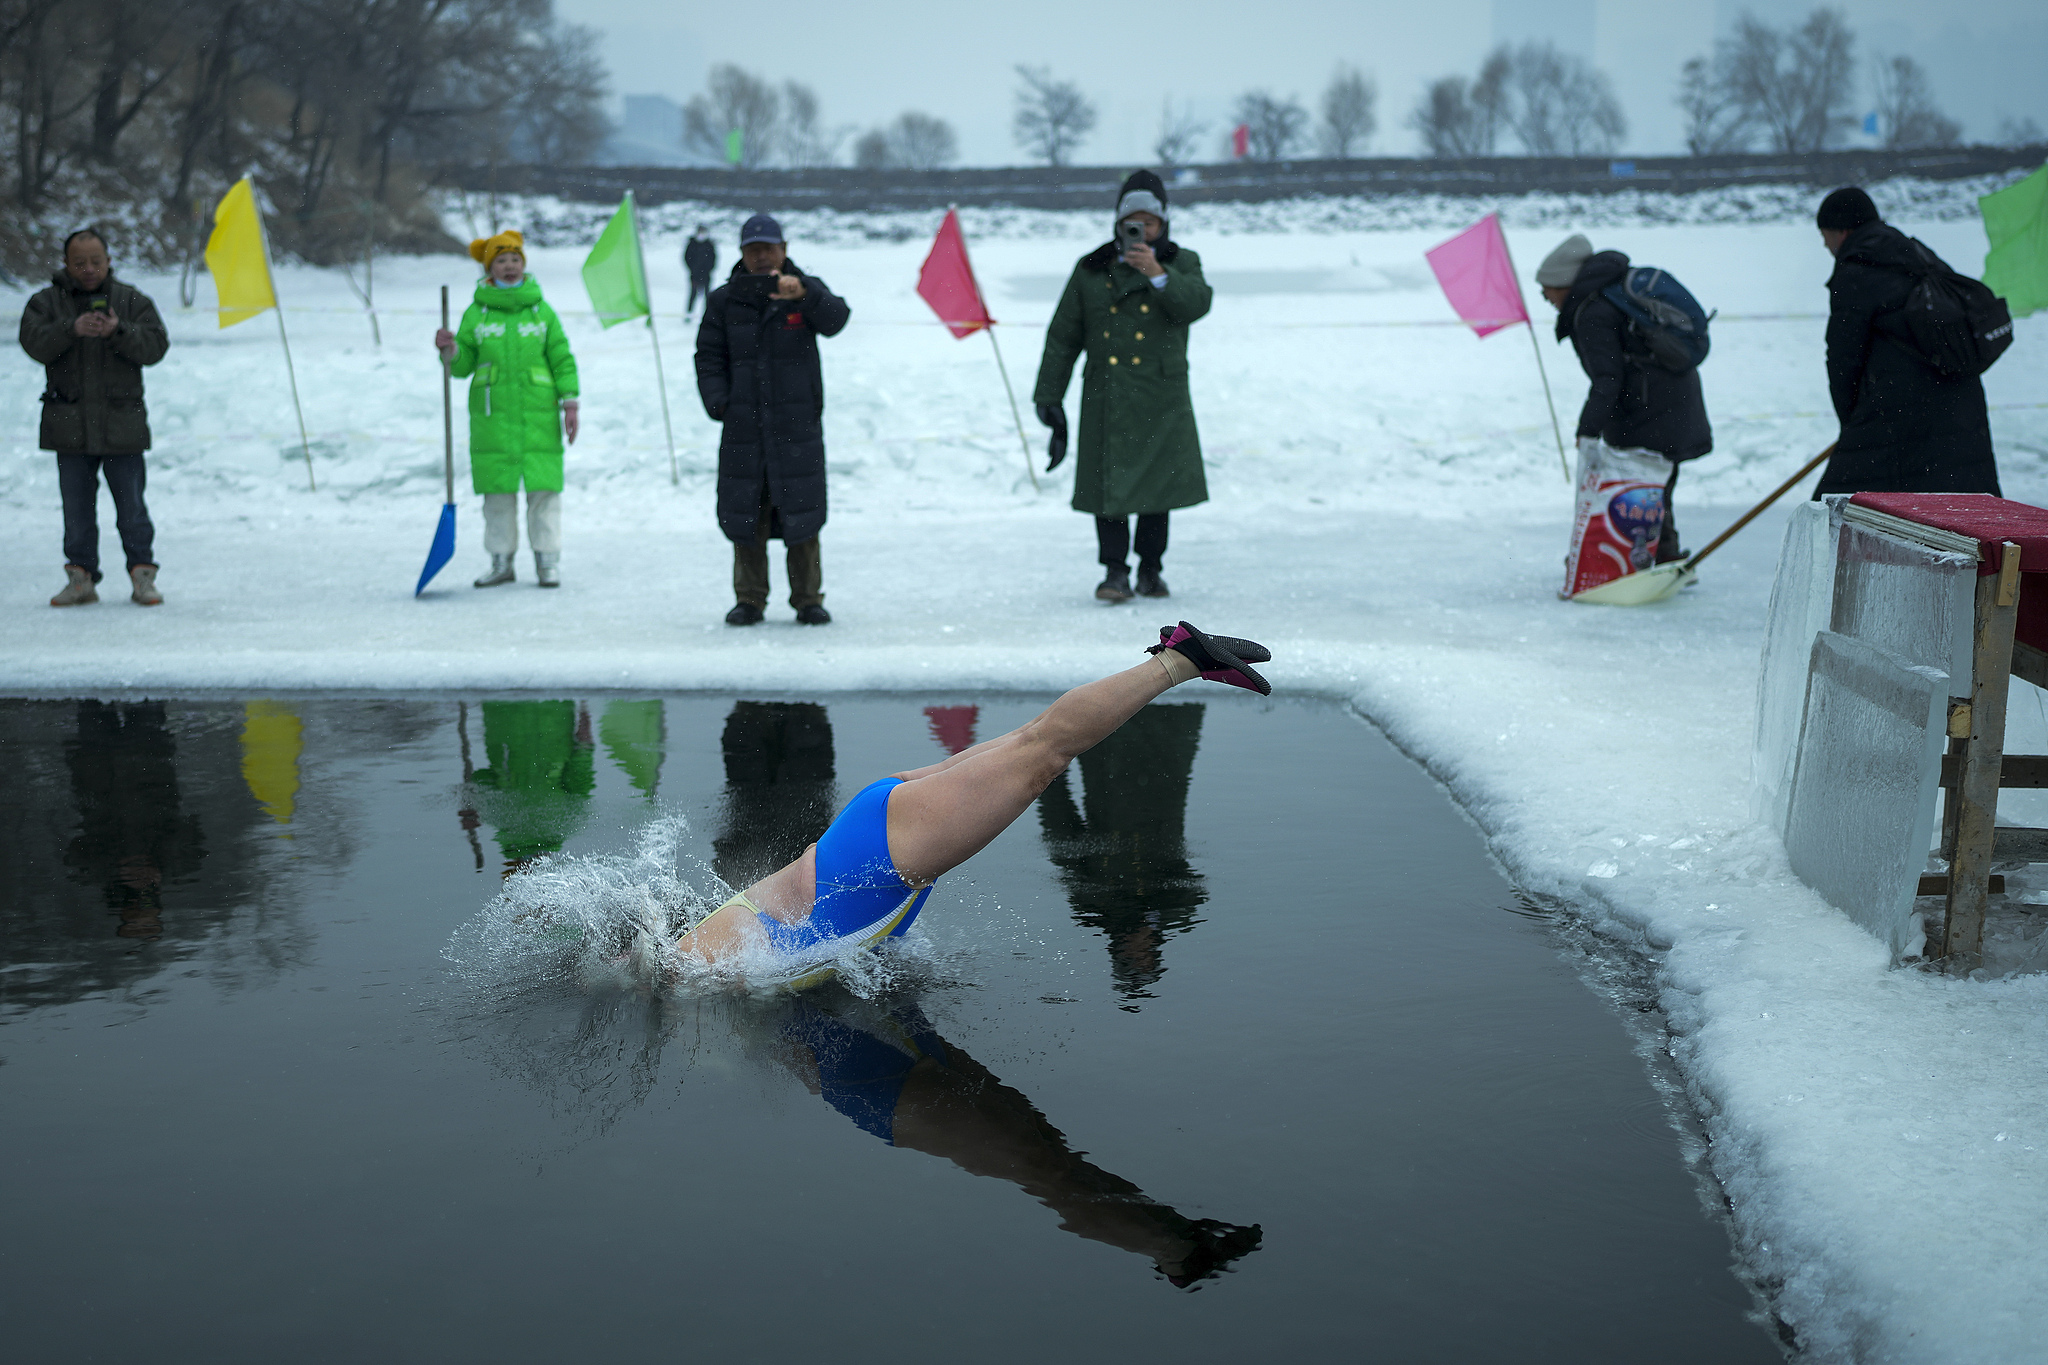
(953, 726)
(632, 735)
(271, 740)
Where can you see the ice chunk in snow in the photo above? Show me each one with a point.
(1802, 600)
(1861, 813)
(1911, 601)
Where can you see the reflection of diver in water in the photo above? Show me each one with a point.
(1125, 863)
(897, 1079)
(778, 787)
(538, 776)
(871, 871)
(133, 835)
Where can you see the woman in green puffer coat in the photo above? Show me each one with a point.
(522, 402)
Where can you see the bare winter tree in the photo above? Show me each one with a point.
(1460, 118)
(734, 100)
(806, 141)
(2019, 132)
(1796, 85)
(1906, 109)
(1558, 105)
(1052, 116)
(1349, 115)
(1714, 118)
(922, 142)
(1273, 126)
(871, 150)
(554, 119)
(1179, 136)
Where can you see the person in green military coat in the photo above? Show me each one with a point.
(522, 402)
(1128, 307)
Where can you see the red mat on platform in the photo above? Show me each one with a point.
(1990, 521)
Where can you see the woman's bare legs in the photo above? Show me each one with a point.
(940, 819)
(944, 814)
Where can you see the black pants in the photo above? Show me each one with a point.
(1113, 540)
(78, 478)
(700, 288)
(1667, 544)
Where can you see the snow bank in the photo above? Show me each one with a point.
(1389, 515)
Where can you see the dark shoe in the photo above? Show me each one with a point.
(1150, 584)
(1251, 651)
(1216, 660)
(1115, 586)
(743, 614)
(813, 615)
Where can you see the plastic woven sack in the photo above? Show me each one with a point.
(1620, 515)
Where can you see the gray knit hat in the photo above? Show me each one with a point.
(1561, 266)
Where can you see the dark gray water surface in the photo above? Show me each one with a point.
(1242, 1006)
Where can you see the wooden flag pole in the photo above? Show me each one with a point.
(660, 378)
(304, 444)
(1555, 429)
(1015, 415)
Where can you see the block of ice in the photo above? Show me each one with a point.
(1802, 600)
(1908, 599)
(1861, 813)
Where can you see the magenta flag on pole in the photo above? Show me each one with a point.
(947, 281)
(1479, 278)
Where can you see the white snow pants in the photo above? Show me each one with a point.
(543, 521)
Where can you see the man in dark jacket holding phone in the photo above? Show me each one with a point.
(1906, 427)
(93, 335)
(758, 373)
(1634, 402)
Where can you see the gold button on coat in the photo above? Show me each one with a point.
(1141, 335)
(1112, 360)
(1137, 359)
(1144, 307)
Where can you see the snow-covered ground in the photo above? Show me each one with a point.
(1388, 514)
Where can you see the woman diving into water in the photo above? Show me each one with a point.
(869, 874)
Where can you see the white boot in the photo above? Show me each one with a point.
(501, 572)
(544, 570)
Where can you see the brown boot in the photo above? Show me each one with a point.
(78, 588)
(143, 576)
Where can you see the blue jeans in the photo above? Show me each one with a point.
(78, 478)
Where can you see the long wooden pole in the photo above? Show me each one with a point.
(1537, 346)
(447, 410)
(1753, 513)
(1015, 415)
(660, 379)
(305, 444)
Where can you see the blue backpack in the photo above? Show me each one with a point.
(1663, 315)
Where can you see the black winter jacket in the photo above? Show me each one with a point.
(699, 256)
(1905, 428)
(758, 373)
(1634, 403)
(92, 393)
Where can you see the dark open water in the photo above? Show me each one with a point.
(1242, 1006)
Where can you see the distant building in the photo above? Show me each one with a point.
(650, 133)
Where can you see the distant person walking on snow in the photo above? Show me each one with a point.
(1635, 402)
(758, 373)
(1906, 427)
(93, 334)
(1128, 306)
(700, 258)
(522, 402)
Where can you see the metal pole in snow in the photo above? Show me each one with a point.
(1014, 414)
(447, 415)
(304, 444)
(1537, 346)
(660, 379)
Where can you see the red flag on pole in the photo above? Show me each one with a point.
(947, 281)
(1241, 140)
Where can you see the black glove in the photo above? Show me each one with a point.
(1054, 416)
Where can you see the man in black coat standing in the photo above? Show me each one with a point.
(1634, 402)
(93, 334)
(1906, 427)
(700, 258)
(758, 373)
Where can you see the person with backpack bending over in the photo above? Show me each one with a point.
(1640, 338)
(1903, 360)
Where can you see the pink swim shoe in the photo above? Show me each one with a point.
(1221, 658)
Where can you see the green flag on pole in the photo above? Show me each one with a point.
(735, 145)
(615, 273)
(2016, 221)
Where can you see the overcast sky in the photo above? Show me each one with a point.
(870, 60)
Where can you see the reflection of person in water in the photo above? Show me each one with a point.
(537, 778)
(133, 835)
(778, 786)
(897, 1079)
(1125, 863)
(868, 875)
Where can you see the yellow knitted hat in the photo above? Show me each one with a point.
(488, 249)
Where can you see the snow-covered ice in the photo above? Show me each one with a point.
(1388, 514)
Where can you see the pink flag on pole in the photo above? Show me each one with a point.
(947, 281)
(1479, 278)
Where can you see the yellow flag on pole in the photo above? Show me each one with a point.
(237, 259)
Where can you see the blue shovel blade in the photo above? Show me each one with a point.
(442, 550)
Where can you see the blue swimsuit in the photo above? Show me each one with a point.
(858, 885)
